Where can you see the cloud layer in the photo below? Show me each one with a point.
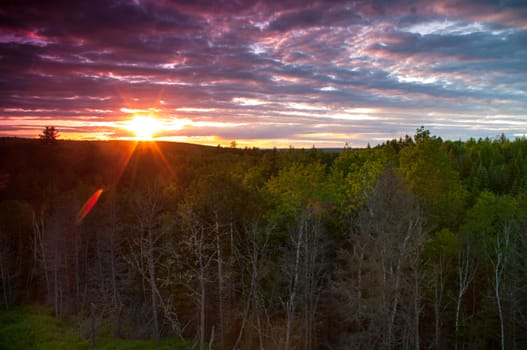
(265, 73)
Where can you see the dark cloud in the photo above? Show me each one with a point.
(315, 16)
(480, 45)
(285, 70)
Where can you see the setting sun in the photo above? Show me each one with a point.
(144, 127)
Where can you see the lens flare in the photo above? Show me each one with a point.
(88, 205)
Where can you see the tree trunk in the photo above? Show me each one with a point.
(466, 273)
(438, 297)
(153, 286)
(252, 257)
(500, 311)
(502, 246)
(92, 325)
(38, 228)
(202, 295)
(291, 303)
(254, 264)
(220, 286)
(5, 282)
(115, 296)
(417, 308)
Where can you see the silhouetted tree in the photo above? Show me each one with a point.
(49, 134)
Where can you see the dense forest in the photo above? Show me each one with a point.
(416, 243)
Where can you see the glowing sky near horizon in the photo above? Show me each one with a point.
(265, 73)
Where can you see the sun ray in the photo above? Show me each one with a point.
(125, 161)
(161, 156)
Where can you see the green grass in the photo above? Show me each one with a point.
(33, 327)
(119, 344)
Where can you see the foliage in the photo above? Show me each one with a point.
(417, 241)
(429, 171)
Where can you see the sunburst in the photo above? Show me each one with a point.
(145, 127)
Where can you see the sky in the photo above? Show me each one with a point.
(265, 73)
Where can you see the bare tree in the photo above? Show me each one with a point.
(517, 287)
(144, 249)
(305, 274)
(439, 281)
(466, 271)
(383, 309)
(108, 273)
(250, 255)
(39, 252)
(499, 261)
(56, 242)
(200, 251)
(441, 253)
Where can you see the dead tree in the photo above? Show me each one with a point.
(466, 271)
(250, 255)
(144, 252)
(305, 274)
(199, 250)
(500, 260)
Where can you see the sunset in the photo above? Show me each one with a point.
(240, 175)
(145, 127)
(265, 74)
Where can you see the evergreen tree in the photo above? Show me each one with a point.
(49, 134)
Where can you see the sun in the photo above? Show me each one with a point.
(145, 127)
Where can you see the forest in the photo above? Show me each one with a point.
(416, 243)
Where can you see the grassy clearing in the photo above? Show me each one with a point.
(33, 327)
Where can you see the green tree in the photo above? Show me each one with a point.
(431, 176)
(489, 229)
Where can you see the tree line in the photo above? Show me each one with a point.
(415, 243)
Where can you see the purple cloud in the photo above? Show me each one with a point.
(287, 71)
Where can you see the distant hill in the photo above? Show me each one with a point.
(29, 166)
